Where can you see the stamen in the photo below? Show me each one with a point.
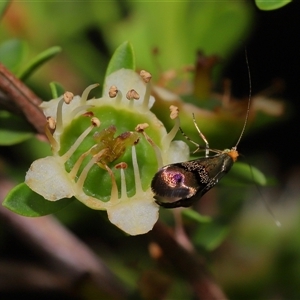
(140, 128)
(113, 91)
(86, 93)
(122, 166)
(51, 125)
(86, 169)
(70, 152)
(79, 109)
(114, 188)
(88, 114)
(59, 122)
(132, 95)
(68, 97)
(78, 163)
(136, 171)
(146, 76)
(171, 135)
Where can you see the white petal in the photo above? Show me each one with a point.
(179, 151)
(48, 177)
(125, 80)
(50, 108)
(137, 215)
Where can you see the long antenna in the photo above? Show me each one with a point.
(249, 101)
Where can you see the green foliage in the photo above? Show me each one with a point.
(193, 215)
(56, 89)
(37, 62)
(242, 174)
(13, 53)
(23, 201)
(13, 129)
(209, 236)
(271, 4)
(122, 58)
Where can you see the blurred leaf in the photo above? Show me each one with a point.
(23, 201)
(244, 174)
(271, 4)
(195, 216)
(13, 129)
(3, 6)
(56, 89)
(36, 62)
(122, 58)
(12, 53)
(215, 27)
(209, 236)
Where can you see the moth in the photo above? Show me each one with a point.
(181, 184)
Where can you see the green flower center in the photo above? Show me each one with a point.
(98, 182)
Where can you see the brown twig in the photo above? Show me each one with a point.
(24, 98)
(187, 263)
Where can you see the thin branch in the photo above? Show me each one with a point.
(24, 98)
(59, 247)
(187, 263)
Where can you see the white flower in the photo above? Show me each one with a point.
(110, 168)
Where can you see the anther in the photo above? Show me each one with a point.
(121, 165)
(88, 114)
(132, 94)
(174, 112)
(141, 127)
(51, 123)
(113, 91)
(171, 135)
(146, 76)
(95, 122)
(68, 97)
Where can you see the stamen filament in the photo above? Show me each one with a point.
(78, 163)
(53, 142)
(136, 171)
(59, 122)
(118, 98)
(79, 140)
(86, 93)
(171, 135)
(78, 110)
(87, 168)
(123, 185)
(156, 150)
(146, 97)
(114, 188)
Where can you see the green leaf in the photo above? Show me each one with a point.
(210, 236)
(188, 26)
(195, 216)
(271, 4)
(56, 89)
(23, 201)
(12, 53)
(242, 173)
(36, 62)
(13, 129)
(122, 58)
